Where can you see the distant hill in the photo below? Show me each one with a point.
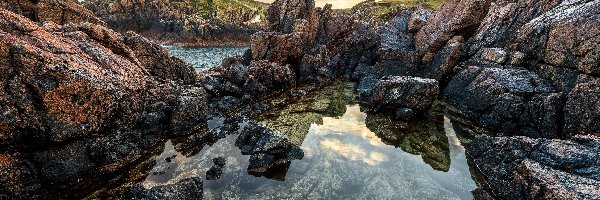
(380, 10)
(192, 22)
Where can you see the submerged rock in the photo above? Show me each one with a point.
(270, 152)
(423, 136)
(216, 170)
(191, 188)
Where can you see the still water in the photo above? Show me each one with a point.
(203, 58)
(348, 154)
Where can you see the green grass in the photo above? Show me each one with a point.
(381, 9)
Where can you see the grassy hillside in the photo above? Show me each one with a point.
(378, 10)
(226, 10)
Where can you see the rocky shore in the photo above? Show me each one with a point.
(81, 103)
(515, 71)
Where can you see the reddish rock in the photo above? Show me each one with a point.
(67, 90)
(418, 19)
(57, 11)
(278, 48)
(282, 14)
(459, 18)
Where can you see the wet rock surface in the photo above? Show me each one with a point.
(186, 189)
(216, 170)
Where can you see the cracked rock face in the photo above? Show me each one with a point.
(79, 101)
(403, 94)
(282, 14)
(57, 11)
(521, 167)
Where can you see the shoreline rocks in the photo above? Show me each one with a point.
(198, 23)
(80, 103)
(521, 167)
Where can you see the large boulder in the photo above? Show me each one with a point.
(525, 168)
(278, 48)
(499, 100)
(78, 105)
(569, 31)
(402, 94)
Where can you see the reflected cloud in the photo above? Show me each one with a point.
(351, 123)
(353, 152)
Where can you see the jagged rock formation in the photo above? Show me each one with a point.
(525, 168)
(188, 22)
(80, 102)
(304, 45)
(535, 92)
(84, 98)
(58, 11)
(526, 68)
(406, 96)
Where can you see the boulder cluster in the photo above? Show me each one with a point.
(522, 70)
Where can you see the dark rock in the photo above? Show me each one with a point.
(582, 109)
(190, 188)
(216, 170)
(418, 19)
(569, 36)
(495, 98)
(442, 64)
(401, 92)
(275, 47)
(405, 114)
(271, 153)
(520, 167)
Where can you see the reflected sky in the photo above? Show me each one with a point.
(343, 160)
(336, 4)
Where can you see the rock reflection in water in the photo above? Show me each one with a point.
(342, 159)
(426, 136)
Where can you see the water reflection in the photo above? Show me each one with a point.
(344, 158)
(203, 58)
